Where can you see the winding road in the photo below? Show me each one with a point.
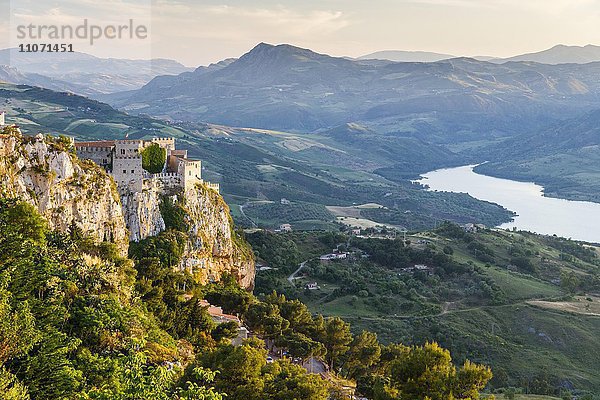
(245, 216)
(293, 275)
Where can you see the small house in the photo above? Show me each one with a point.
(285, 228)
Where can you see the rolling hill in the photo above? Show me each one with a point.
(406, 56)
(498, 297)
(559, 54)
(563, 157)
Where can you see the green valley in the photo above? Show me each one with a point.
(262, 167)
(506, 299)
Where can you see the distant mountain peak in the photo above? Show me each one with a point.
(560, 54)
(406, 56)
(267, 57)
(262, 46)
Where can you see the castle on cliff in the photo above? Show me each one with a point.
(123, 160)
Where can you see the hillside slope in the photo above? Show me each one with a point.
(564, 158)
(525, 304)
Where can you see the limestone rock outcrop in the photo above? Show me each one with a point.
(64, 189)
(142, 212)
(46, 173)
(213, 246)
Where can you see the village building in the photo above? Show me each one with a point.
(123, 160)
(219, 317)
(285, 228)
(333, 256)
(474, 228)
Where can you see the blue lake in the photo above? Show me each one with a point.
(578, 220)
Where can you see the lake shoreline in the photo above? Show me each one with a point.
(534, 210)
(551, 188)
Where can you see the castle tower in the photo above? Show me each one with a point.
(190, 172)
(127, 164)
(2, 122)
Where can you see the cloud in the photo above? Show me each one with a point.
(238, 21)
(209, 32)
(541, 7)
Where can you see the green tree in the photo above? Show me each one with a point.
(137, 381)
(285, 381)
(337, 339)
(195, 391)
(363, 355)
(48, 370)
(17, 325)
(300, 345)
(11, 388)
(154, 158)
(225, 330)
(240, 370)
(427, 372)
(264, 318)
(569, 281)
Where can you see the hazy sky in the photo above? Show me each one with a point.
(200, 32)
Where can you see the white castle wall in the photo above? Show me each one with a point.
(168, 180)
(128, 148)
(213, 186)
(128, 172)
(165, 143)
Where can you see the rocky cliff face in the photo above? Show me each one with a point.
(64, 189)
(213, 246)
(142, 212)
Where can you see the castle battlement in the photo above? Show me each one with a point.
(164, 175)
(122, 158)
(165, 139)
(129, 141)
(128, 157)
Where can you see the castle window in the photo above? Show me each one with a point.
(122, 151)
(132, 171)
(124, 171)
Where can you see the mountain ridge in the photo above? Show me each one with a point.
(291, 88)
(406, 56)
(91, 75)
